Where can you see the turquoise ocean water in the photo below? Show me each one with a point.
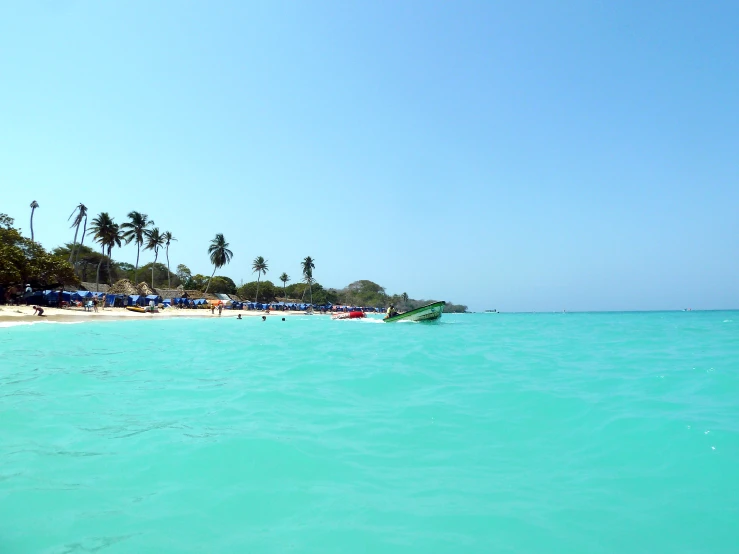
(576, 433)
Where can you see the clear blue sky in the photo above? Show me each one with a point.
(510, 155)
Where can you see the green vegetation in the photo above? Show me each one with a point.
(259, 266)
(23, 261)
(219, 254)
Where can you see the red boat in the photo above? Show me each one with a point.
(348, 315)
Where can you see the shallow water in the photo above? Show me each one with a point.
(577, 433)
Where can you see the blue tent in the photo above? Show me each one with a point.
(81, 294)
(155, 297)
(134, 299)
(199, 301)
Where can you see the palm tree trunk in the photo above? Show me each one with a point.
(257, 298)
(136, 271)
(284, 294)
(110, 277)
(211, 277)
(311, 293)
(97, 275)
(82, 241)
(169, 282)
(32, 210)
(71, 252)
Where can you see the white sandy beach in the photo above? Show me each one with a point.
(25, 314)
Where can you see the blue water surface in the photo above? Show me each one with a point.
(576, 433)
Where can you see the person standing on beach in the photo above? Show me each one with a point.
(212, 310)
(220, 309)
(95, 304)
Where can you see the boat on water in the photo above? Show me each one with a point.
(349, 315)
(424, 313)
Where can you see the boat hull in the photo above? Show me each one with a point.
(429, 312)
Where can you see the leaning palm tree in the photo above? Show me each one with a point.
(259, 266)
(168, 238)
(81, 216)
(308, 267)
(34, 205)
(101, 230)
(220, 255)
(135, 230)
(154, 241)
(284, 278)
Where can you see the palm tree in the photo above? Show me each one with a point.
(284, 278)
(154, 241)
(308, 267)
(259, 266)
(81, 216)
(219, 253)
(135, 230)
(34, 205)
(101, 229)
(115, 237)
(404, 296)
(168, 237)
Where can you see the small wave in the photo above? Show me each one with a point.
(728, 321)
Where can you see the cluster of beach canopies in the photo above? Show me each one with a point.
(82, 297)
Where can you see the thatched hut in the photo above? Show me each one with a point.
(145, 289)
(125, 287)
(92, 288)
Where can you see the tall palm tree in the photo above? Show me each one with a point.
(135, 230)
(168, 238)
(404, 296)
(34, 205)
(81, 216)
(154, 241)
(219, 253)
(259, 266)
(115, 238)
(101, 229)
(308, 267)
(284, 278)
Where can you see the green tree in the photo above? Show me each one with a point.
(267, 291)
(308, 267)
(168, 238)
(34, 205)
(81, 211)
(284, 278)
(135, 229)
(223, 285)
(183, 274)
(101, 229)
(196, 282)
(219, 254)
(24, 261)
(259, 266)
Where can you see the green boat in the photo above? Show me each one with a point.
(424, 313)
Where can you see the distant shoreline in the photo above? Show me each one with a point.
(24, 314)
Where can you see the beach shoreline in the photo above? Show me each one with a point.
(24, 314)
